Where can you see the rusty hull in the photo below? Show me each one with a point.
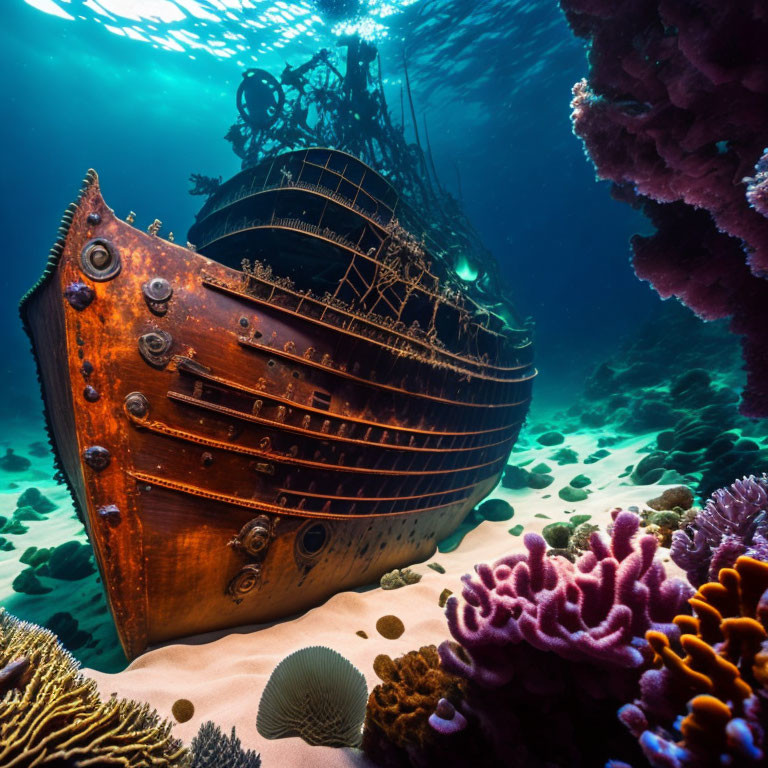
(229, 467)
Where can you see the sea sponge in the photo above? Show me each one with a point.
(679, 496)
(51, 714)
(398, 710)
(212, 749)
(390, 627)
(183, 710)
(316, 694)
(399, 578)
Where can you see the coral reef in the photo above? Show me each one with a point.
(398, 728)
(674, 115)
(316, 694)
(212, 749)
(587, 612)
(734, 522)
(757, 186)
(719, 677)
(50, 714)
(534, 634)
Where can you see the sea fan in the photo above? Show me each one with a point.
(314, 693)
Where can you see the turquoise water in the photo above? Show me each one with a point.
(143, 92)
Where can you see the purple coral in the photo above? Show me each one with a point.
(446, 720)
(595, 611)
(734, 522)
(757, 186)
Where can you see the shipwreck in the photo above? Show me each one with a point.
(315, 393)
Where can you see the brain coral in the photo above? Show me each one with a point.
(411, 688)
(51, 714)
(314, 693)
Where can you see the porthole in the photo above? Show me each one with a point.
(311, 539)
(99, 260)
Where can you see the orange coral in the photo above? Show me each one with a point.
(726, 656)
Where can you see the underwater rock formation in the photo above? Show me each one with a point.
(397, 717)
(569, 539)
(702, 440)
(51, 714)
(399, 578)
(12, 462)
(674, 114)
(211, 748)
(316, 694)
(734, 522)
(32, 497)
(707, 704)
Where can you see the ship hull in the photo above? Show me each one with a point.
(237, 453)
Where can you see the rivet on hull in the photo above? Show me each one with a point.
(246, 580)
(97, 457)
(157, 293)
(91, 394)
(99, 260)
(79, 295)
(254, 536)
(110, 513)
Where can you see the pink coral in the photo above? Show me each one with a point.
(594, 611)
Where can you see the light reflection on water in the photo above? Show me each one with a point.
(237, 29)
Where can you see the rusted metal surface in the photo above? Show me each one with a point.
(239, 452)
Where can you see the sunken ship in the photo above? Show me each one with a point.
(314, 393)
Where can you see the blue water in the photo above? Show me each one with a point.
(143, 91)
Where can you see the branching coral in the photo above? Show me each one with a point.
(549, 646)
(592, 611)
(720, 675)
(51, 714)
(211, 748)
(734, 522)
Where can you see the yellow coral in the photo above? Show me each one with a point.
(51, 714)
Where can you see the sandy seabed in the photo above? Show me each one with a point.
(224, 674)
